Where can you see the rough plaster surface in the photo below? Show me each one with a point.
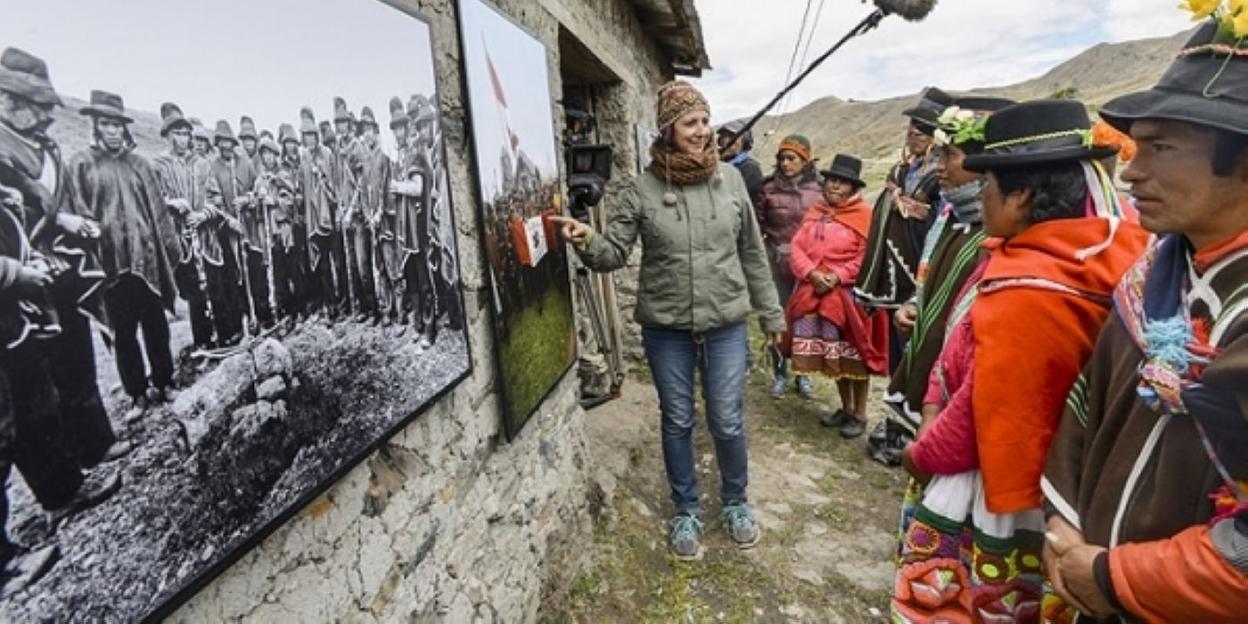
(446, 522)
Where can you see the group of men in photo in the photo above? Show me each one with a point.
(255, 231)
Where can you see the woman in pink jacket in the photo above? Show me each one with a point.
(831, 334)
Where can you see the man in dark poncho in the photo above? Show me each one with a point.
(30, 163)
(902, 216)
(118, 190)
(1147, 477)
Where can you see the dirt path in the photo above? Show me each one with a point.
(828, 513)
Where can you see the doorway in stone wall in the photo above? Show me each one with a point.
(595, 113)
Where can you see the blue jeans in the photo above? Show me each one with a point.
(721, 356)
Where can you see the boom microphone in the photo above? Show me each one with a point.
(909, 10)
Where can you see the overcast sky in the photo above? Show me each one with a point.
(219, 59)
(961, 44)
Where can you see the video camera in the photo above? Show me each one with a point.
(589, 165)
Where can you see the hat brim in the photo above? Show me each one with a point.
(110, 113)
(1155, 103)
(921, 115)
(980, 163)
(829, 174)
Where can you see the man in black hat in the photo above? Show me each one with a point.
(414, 222)
(356, 218)
(344, 148)
(201, 141)
(181, 187)
(118, 189)
(949, 256)
(902, 215)
(249, 140)
(316, 179)
(276, 194)
(30, 163)
(297, 259)
(371, 208)
(1145, 480)
(237, 178)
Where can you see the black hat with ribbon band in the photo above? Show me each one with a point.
(1206, 85)
(932, 102)
(1036, 133)
(845, 167)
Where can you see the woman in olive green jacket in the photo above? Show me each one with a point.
(703, 269)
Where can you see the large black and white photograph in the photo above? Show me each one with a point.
(228, 271)
(517, 170)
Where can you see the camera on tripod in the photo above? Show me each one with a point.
(589, 165)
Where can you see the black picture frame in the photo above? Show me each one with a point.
(162, 606)
(514, 421)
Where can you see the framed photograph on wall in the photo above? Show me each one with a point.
(514, 140)
(240, 218)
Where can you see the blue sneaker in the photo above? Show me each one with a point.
(779, 387)
(687, 537)
(741, 525)
(805, 387)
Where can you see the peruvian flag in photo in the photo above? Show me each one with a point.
(501, 97)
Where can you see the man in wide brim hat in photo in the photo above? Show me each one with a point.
(1145, 480)
(57, 423)
(139, 246)
(106, 105)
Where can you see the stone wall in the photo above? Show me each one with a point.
(447, 522)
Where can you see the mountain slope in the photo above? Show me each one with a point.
(874, 130)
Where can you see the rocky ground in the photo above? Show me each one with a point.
(829, 516)
(247, 438)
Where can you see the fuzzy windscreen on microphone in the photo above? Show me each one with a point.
(910, 10)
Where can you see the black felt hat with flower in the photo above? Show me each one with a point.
(1035, 133)
(1207, 84)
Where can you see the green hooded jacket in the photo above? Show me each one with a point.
(702, 261)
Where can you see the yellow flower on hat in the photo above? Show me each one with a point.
(1200, 9)
(1238, 18)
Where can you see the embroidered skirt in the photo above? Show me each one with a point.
(819, 346)
(959, 562)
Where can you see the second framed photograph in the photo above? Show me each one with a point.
(513, 133)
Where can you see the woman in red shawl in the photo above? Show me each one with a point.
(830, 333)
